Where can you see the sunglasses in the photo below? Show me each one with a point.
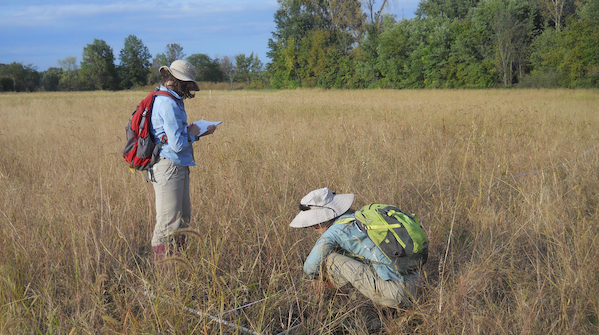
(308, 207)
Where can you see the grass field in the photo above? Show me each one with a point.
(507, 255)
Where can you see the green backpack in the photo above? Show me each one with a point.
(398, 235)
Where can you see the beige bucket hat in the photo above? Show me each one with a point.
(320, 206)
(182, 70)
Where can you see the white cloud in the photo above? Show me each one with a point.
(48, 14)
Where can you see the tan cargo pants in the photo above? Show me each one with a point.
(341, 270)
(173, 205)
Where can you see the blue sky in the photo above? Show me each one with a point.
(41, 32)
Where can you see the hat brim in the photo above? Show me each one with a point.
(315, 215)
(181, 76)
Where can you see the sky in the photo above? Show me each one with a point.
(42, 32)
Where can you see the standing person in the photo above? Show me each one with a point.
(170, 175)
(371, 272)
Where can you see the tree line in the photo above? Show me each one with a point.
(449, 44)
(98, 71)
(355, 44)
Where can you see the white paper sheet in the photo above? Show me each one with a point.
(203, 124)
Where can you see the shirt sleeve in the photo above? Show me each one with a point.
(323, 247)
(174, 128)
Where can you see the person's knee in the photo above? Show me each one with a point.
(333, 269)
(341, 270)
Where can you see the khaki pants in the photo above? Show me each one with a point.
(173, 205)
(341, 270)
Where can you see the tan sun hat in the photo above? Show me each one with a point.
(182, 70)
(320, 206)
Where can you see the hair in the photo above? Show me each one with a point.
(183, 88)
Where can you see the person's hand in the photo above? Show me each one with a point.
(193, 130)
(211, 128)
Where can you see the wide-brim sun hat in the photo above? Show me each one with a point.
(182, 70)
(321, 205)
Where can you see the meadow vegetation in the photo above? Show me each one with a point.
(517, 256)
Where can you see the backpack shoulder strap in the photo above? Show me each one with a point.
(156, 93)
(165, 93)
(344, 221)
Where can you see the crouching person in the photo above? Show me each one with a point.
(345, 254)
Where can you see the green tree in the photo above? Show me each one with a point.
(174, 52)
(588, 10)
(555, 12)
(242, 64)
(294, 20)
(368, 58)
(507, 28)
(376, 51)
(470, 63)
(51, 79)
(311, 57)
(227, 67)
(374, 15)
(283, 69)
(580, 62)
(510, 34)
(248, 68)
(207, 69)
(135, 63)
(159, 61)
(257, 71)
(430, 41)
(336, 70)
(69, 81)
(392, 53)
(19, 78)
(97, 67)
(344, 20)
(445, 8)
(569, 57)
(303, 24)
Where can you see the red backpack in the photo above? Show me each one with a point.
(140, 151)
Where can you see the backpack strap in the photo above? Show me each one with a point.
(165, 93)
(164, 139)
(154, 160)
(157, 92)
(157, 151)
(391, 226)
(356, 256)
(345, 221)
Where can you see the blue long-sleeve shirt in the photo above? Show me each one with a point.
(352, 240)
(169, 117)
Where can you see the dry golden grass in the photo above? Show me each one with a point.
(516, 257)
